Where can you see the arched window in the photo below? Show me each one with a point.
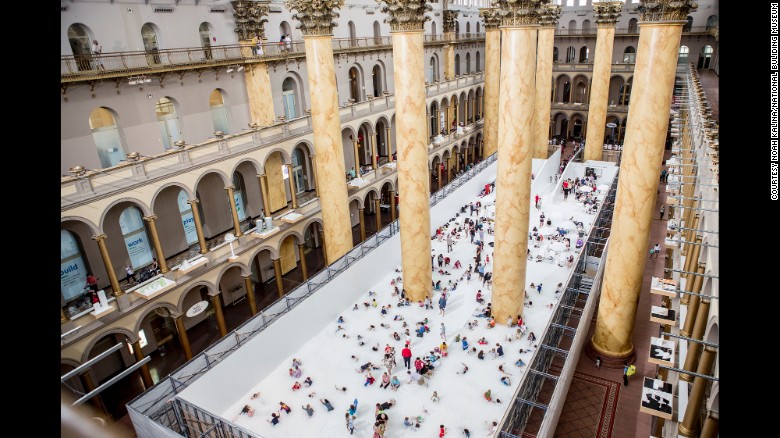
(433, 29)
(290, 98)
(477, 64)
(468, 28)
(571, 54)
(712, 21)
(705, 56)
(169, 122)
(299, 170)
(355, 86)
(80, 45)
(134, 234)
(683, 58)
(285, 29)
(105, 133)
(457, 28)
(433, 71)
(555, 54)
(457, 65)
(468, 63)
(632, 25)
(377, 79)
(352, 34)
(205, 38)
(572, 27)
(377, 33)
(239, 194)
(584, 54)
(187, 219)
(73, 271)
(629, 55)
(219, 110)
(477, 26)
(586, 27)
(688, 24)
(151, 45)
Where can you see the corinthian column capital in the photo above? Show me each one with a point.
(549, 15)
(315, 17)
(665, 10)
(519, 12)
(407, 14)
(448, 17)
(490, 18)
(607, 13)
(250, 18)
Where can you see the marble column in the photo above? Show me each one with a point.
(96, 401)
(406, 27)
(513, 176)
(362, 224)
(656, 64)
(291, 182)
(438, 177)
(448, 19)
(63, 318)
(184, 340)
(324, 245)
(156, 242)
(317, 21)
(392, 205)
(302, 255)
(357, 157)
(198, 225)
(692, 301)
(694, 348)
(378, 214)
(146, 376)
(548, 20)
(278, 277)
(101, 241)
(234, 210)
(692, 259)
(689, 426)
(710, 428)
(250, 295)
(217, 302)
(258, 84)
(606, 14)
(374, 138)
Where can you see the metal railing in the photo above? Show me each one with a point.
(117, 64)
(575, 302)
(626, 31)
(560, 66)
(158, 404)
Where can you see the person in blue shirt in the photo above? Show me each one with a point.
(465, 344)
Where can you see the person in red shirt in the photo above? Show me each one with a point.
(406, 353)
(92, 282)
(442, 432)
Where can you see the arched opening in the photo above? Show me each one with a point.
(135, 237)
(629, 55)
(434, 175)
(625, 92)
(586, 27)
(682, 59)
(457, 64)
(312, 248)
(580, 94)
(457, 29)
(80, 44)
(705, 56)
(168, 119)
(555, 54)
(560, 126)
(213, 208)
(477, 64)
(468, 63)
(205, 39)
(584, 54)
(239, 195)
(577, 127)
(277, 188)
(352, 34)
(290, 98)
(433, 70)
(571, 54)
(73, 269)
(688, 24)
(477, 27)
(432, 128)
(151, 45)
(615, 88)
(572, 27)
(219, 111)
(355, 86)
(300, 169)
(563, 89)
(105, 133)
(187, 218)
(378, 80)
(610, 134)
(632, 25)
(377, 33)
(122, 391)
(433, 30)
(160, 340)
(712, 21)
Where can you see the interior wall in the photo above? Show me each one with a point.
(276, 193)
(287, 255)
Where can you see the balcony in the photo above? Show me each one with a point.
(563, 67)
(115, 65)
(630, 31)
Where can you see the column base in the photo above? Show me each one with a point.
(684, 431)
(608, 360)
(687, 377)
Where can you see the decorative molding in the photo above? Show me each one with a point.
(250, 18)
(665, 10)
(405, 15)
(449, 16)
(549, 15)
(490, 18)
(519, 12)
(607, 13)
(315, 17)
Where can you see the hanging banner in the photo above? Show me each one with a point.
(188, 222)
(73, 278)
(138, 249)
(239, 204)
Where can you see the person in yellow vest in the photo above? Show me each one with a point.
(628, 371)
